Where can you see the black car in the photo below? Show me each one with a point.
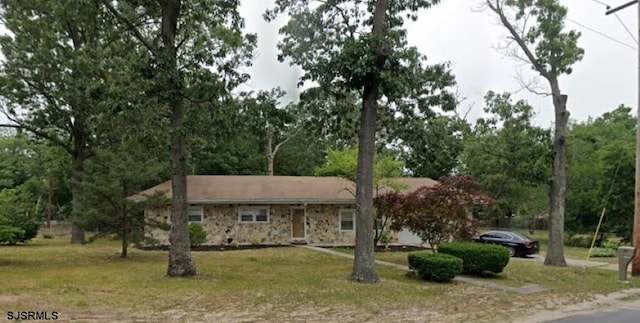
(518, 244)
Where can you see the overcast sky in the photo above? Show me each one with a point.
(454, 32)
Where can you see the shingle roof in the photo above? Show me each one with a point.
(230, 189)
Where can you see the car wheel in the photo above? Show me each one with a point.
(512, 252)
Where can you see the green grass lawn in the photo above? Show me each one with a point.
(90, 282)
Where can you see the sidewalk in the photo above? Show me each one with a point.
(576, 262)
(526, 289)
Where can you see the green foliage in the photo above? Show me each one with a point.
(158, 224)
(478, 258)
(435, 214)
(197, 234)
(537, 28)
(344, 163)
(385, 238)
(611, 244)
(431, 146)
(578, 240)
(604, 253)
(556, 50)
(10, 234)
(601, 172)
(342, 56)
(21, 208)
(256, 241)
(510, 158)
(151, 241)
(441, 268)
(234, 244)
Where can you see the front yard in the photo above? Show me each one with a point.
(91, 282)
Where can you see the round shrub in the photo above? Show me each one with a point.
(197, 234)
(439, 268)
(478, 258)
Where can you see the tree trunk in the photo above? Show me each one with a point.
(270, 152)
(125, 234)
(364, 265)
(180, 261)
(126, 224)
(78, 157)
(555, 252)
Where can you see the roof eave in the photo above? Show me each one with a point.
(273, 201)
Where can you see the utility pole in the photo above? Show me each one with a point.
(635, 265)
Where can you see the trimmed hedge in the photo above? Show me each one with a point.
(439, 268)
(478, 258)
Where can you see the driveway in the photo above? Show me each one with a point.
(615, 316)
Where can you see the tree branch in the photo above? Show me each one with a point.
(531, 85)
(131, 26)
(275, 150)
(497, 8)
(345, 17)
(42, 134)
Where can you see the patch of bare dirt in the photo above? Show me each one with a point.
(476, 305)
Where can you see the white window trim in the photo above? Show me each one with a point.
(353, 212)
(256, 207)
(199, 209)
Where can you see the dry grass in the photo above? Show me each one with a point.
(91, 283)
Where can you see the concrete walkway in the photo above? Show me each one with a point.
(526, 289)
(576, 262)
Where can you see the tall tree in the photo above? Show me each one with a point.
(195, 48)
(601, 160)
(331, 115)
(51, 80)
(429, 142)
(271, 122)
(431, 146)
(551, 51)
(508, 156)
(126, 160)
(360, 47)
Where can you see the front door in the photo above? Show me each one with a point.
(297, 220)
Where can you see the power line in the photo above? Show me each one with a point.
(619, 20)
(602, 34)
(602, 3)
(626, 28)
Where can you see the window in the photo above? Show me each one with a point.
(194, 213)
(347, 220)
(253, 214)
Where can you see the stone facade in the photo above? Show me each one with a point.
(322, 225)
